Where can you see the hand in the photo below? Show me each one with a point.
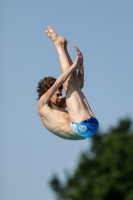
(77, 63)
(79, 53)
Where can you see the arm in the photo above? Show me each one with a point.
(61, 79)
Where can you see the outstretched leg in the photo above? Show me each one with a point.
(77, 104)
(60, 43)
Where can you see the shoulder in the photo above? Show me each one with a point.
(41, 103)
(43, 109)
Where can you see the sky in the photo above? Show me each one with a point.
(29, 154)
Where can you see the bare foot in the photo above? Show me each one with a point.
(56, 39)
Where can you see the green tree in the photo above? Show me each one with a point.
(103, 173)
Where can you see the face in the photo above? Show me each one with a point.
(57, 97)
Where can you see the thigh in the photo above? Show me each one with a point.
(75, 100)
(82, 96)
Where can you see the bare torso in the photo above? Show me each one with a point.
(56, 120)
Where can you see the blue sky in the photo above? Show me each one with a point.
(103, 30)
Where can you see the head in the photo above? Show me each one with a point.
(44, 85)
(57, 97)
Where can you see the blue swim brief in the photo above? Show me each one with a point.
(86, 128)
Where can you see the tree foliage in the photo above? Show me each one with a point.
(105, 172)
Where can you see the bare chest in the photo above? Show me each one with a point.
(55, 119)
(60, 117)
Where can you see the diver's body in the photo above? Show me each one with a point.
(51, 106)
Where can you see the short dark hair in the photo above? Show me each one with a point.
(44, 85)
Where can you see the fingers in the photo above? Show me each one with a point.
(47, 32)
(77, 50)
(77, 63)
(80, 59)
(79, 56)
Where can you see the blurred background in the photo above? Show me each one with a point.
(29, 154)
